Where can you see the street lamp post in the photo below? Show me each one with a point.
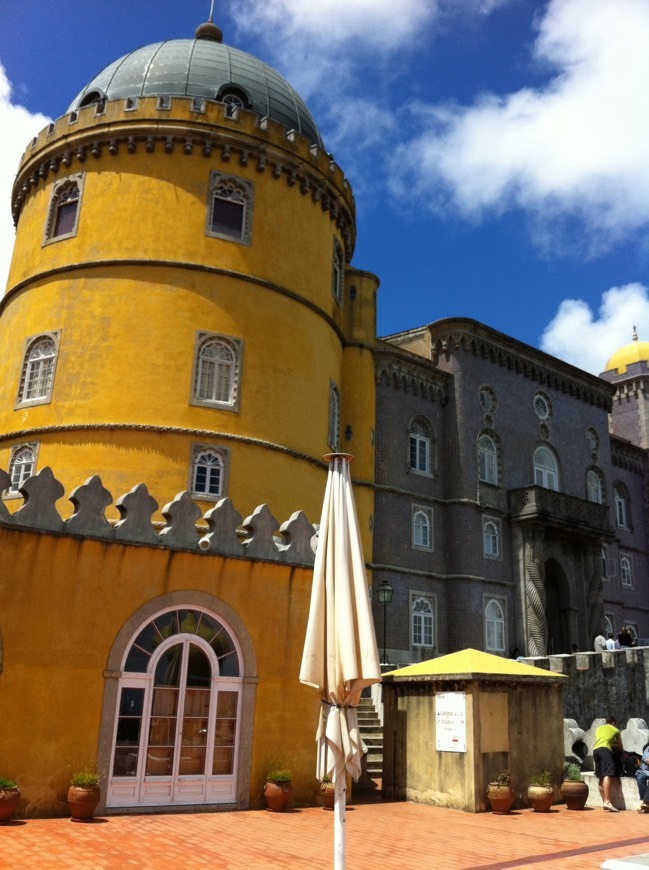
(385, 597)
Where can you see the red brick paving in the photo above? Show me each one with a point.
(380, 836)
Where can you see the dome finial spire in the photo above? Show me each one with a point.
(635, 333)
(209, 30)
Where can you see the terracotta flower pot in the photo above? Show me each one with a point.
(82, 802)
(328, 790)
(575, 793)
(540, 797)
(9, 798)
(501, 797)
(278, 795)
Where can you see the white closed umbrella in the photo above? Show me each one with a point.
(340, 655)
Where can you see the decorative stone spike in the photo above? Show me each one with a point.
(5, 483)
(260, 529)
(299, 536)
(136, 509)
(41, 493)
(181, 515)
(223, 521)
(90, 501)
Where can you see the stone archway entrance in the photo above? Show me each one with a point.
(557, 608)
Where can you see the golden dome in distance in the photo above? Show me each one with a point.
(635, 351)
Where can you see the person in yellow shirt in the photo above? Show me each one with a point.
(608, 741)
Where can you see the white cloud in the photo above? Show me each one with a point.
(577, 337)
(18, 127)
(579, 146)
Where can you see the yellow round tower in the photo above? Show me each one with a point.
(180, 307)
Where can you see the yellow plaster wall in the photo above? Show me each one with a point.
(57, 627)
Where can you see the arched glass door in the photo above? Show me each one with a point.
(176, 729)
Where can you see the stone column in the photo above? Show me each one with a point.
(537, 624)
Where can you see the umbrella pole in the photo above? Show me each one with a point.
(340, 814)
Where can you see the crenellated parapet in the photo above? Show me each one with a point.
(220, 531)
(187, 126)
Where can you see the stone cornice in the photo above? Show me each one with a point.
(453, 335)
(406, 371)
(94, 135)
(626, 455)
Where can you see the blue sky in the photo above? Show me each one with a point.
(498, 149)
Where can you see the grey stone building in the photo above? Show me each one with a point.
(510, 509)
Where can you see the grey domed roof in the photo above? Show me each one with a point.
(202, 68)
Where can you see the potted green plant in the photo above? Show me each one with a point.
(278, 790)
(573, 788)
(83, 795)
(540, 793)
(500, 793)
(9, 797)
(328, 790)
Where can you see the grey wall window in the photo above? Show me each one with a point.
(229, 208)
(545, 469)
(494, 615)
(491, 537)
(419, 447)
(422, 528)
(487, 459)
(594, 487)
(422, 616)
(622, 508)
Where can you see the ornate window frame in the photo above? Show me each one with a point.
(626, 570)
(201, 452)
(422, 454)
(595, 486)
(203, 340)
(492, 538)
(421, 535)
(488, 459)
(423, 622)
(66, 192)
(20, 457)
(495, 624)
(545, 473)
(237, 191)
(622, 504)
(38, 372)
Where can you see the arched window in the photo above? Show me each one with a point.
(421, 528)
(622, 507)
(491, 537)
(216, 371)
(338, 272)
(419, 447)
(37, 375)
(626, 574)
(422, 622)
(545, 468)
(229, 208)
(594, 488)
(487, 459)
(208, 472)
(333, 427)
(495, 626)
(63, 213)
(21, 466)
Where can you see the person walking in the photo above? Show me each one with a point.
(608, 742)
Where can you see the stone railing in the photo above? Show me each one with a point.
(536, 502)
(222, 531)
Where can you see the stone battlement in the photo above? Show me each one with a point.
(222, 531)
